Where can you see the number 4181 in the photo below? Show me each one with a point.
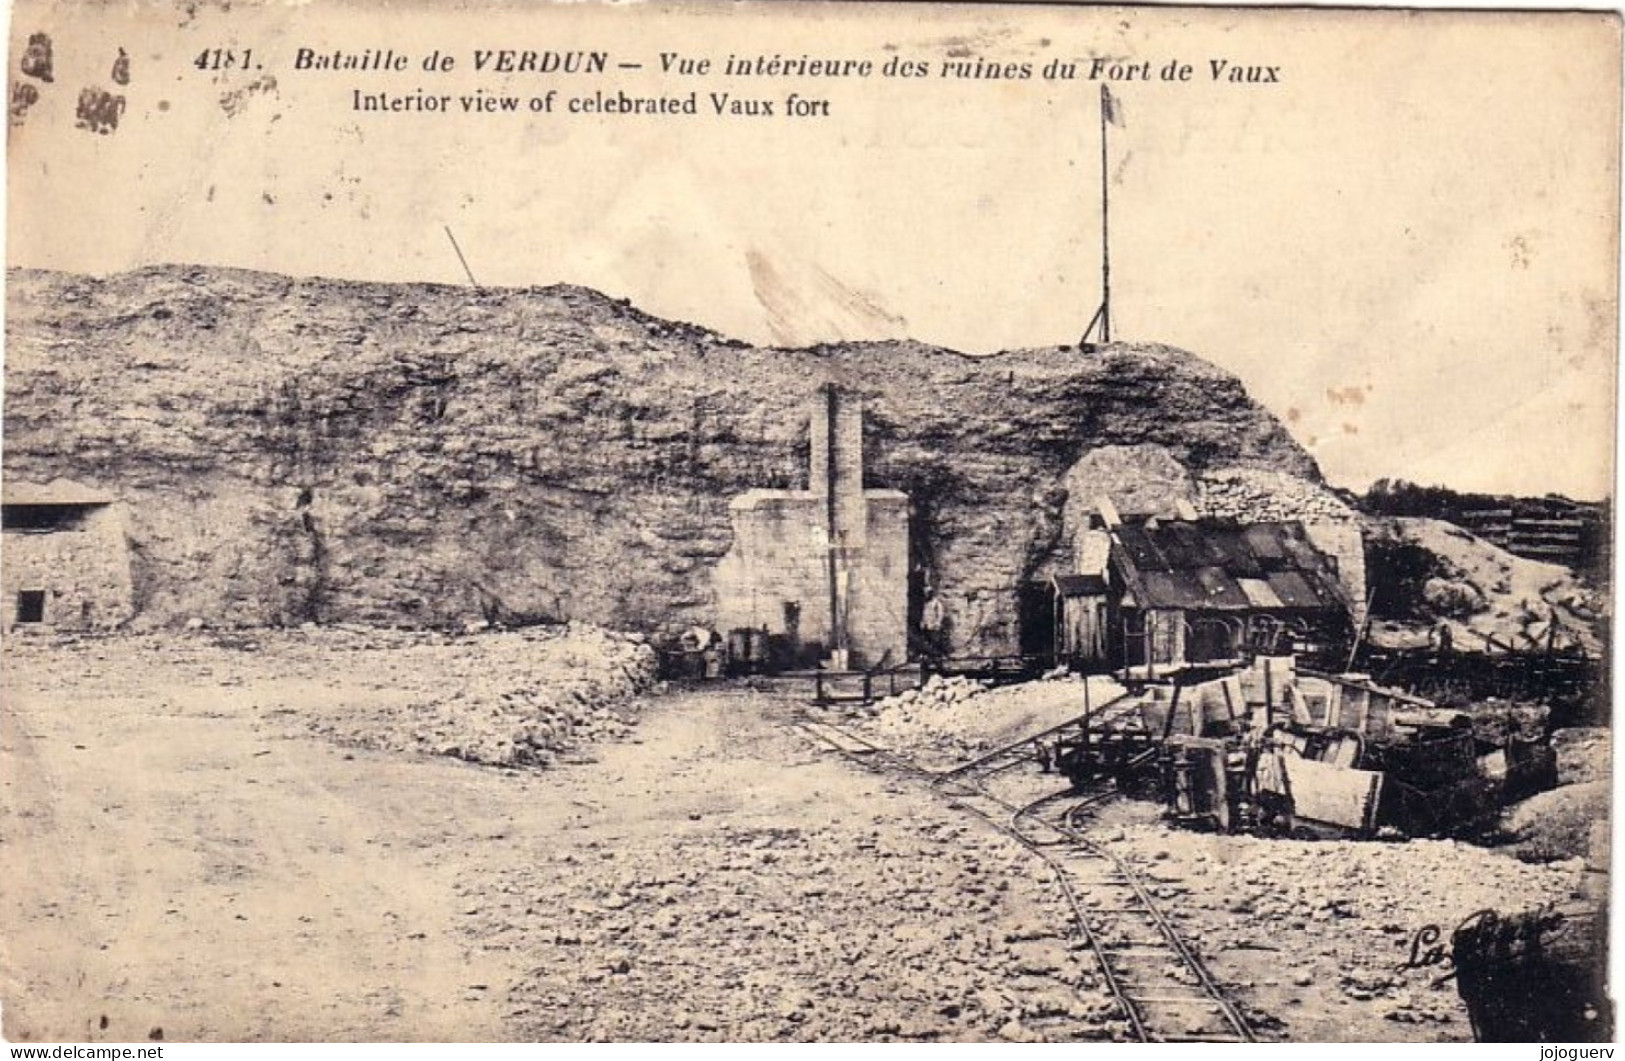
(223, 59)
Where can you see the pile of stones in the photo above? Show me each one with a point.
(948, 721)
(930, 722)
(508, 698)
(937, 694)
(1256, 495)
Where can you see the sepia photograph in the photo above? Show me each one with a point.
(807, 522)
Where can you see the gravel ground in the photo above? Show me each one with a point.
(731, 879)
(1315, 933)
(206, 867)
(223, 844)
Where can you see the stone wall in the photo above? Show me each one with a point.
(82, 568)
(1262, 495)
(828, 561)
(301, 450)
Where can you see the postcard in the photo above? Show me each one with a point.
(807, 522)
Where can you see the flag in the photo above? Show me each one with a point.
(1111, 110)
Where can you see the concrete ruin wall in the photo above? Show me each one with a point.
(308, 450)
(877, 613)
(780, 557)
(83, 569)
(848, 472)
(777, 559)
(834, 556)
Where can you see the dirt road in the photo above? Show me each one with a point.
(177, 860)
(185, 859)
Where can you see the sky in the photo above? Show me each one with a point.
(1405, 245)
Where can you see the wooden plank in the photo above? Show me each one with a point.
(1332, 795)
(1301, 714)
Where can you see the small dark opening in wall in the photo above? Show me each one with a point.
(44, 517)
(30, 606)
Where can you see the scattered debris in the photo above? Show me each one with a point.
(950, 720)
(1488, 598)
(1361, 929)
(1271, 748)
(515, 698)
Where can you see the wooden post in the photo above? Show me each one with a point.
(1149, 625)
(1269, 692)
(1173, 712)
(1106, 114)
(1057, 607)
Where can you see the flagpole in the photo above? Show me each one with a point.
(1105, 226)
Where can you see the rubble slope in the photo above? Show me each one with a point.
(316, 450)
(1482, 591)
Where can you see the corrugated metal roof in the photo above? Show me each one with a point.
(1264, 541)
(1295, 591)
(1171, 589)
(1233, 550)
(1259, 593)
(1222, 590)
(1182, 546)
(1189, 590)
(1205, 566)
(1135, 538)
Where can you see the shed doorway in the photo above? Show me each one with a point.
(1035, 619)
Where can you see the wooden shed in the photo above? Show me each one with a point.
(1209, 592)
(1082, 620)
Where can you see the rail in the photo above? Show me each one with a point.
(1158, 983)
(1022, 750)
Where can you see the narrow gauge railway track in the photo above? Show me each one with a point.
(1162, 990)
